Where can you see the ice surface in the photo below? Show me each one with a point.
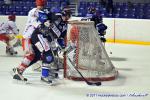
(133, 82)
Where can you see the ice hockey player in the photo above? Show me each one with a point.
(43, 42)
(98, 20)
(31, 25)
(8, 30)
(61, 15)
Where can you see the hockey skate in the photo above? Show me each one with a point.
(18, 75)
(54, 75)
(11, 51)
(51, 78)
(47, 79)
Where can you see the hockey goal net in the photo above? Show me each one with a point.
(88, 54)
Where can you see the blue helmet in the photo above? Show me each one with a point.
(42, 17)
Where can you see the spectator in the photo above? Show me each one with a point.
(103, 2)
(109, 6)
(7, 2)
(92, 15)
(130, 5)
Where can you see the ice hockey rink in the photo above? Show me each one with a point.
(133, 82)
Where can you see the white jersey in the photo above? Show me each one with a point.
(32, 22)
(8, 27)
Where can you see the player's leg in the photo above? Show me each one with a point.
(29, 56)
(47, 70)
(9, 48)
(26, 62)
(47, 58)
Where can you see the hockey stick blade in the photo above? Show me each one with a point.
(94, 84)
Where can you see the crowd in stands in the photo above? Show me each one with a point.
(117, 10)
(106, 9)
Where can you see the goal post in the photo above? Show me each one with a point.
(89, 55)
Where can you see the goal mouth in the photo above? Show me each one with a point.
(88, 59)
(92, 75)
(108, 78)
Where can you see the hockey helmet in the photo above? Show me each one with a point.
(40, 2)
(42, 17)
(12, 17)
(66, 12)
(91, 10)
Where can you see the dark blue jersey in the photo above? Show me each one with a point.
(98, 22)
(97, 18)
(58, 26)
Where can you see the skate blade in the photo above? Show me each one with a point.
(54, 82)
(19, 81)
(39, 83)
(31, 83)
(36, 83)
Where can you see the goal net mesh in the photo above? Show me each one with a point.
(88, 54)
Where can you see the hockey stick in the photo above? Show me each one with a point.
(88, 82)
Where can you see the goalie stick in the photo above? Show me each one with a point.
(69, 49)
